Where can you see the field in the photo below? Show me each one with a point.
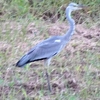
(74, 73)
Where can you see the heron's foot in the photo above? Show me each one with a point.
(50, 87)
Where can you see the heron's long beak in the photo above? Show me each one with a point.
(82, 6)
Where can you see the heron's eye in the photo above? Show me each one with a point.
(74, 5)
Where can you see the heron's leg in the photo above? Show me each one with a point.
(48, 81)
(47, 63)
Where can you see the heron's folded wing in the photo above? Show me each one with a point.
(45, 50)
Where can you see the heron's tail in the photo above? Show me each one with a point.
(23, 61)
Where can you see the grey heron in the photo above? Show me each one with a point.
(50, 47)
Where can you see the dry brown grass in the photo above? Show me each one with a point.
(74, 73)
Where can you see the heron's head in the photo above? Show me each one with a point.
(75, 6)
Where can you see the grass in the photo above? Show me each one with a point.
(74, 73)
(74, 76)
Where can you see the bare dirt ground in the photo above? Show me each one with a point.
(67, 69)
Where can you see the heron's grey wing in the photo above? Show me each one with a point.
(45, 50)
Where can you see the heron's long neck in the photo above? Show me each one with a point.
(71, 23)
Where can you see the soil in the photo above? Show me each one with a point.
(84, 39)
